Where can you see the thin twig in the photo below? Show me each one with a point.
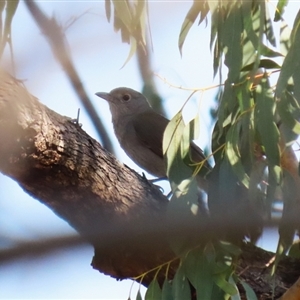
(57, 40)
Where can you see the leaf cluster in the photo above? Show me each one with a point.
(130, 18)
(8, 9)
(256, 126)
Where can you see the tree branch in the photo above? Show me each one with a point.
(115, 209)
(56, 38)
(56, 162)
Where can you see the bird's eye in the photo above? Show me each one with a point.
(126, 97)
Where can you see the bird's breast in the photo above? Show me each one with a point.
(142, 155)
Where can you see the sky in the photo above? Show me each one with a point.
(98, 55)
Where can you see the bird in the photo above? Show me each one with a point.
(140, 130)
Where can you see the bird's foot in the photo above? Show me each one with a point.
(155, 180)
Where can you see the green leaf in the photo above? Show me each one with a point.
(224, 285)
(289, 112)
(237, 296)
(230, 249)
(233, 153)
(124, 12)
(188, 23)
(133, 47)
(216, 33)
(199, 272)
(140, 10)
(265, 121)
(250, 295)
(138, 295)
(183, 209)
(177, 170)
(280, 9)
(198, 7)
(2, 6)
(285, 38)
(251, 23)
(180, 286)
(173, 134)
(108, 10)
(227, 106)
(11, 7)
(139, 23)
(190, 133)
(153, 292)
(167, 290)
(256, 194)
(269, 32)
(268, 52)
(264, 63)
(291, 64)
(294, 251)
(232, 40)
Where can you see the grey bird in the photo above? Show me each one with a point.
(139, 130)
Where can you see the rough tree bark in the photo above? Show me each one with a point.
(114, 208)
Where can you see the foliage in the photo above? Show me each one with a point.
(130, 19)
(5, 29)
(256, 126)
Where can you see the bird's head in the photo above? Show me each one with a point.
(125, 102)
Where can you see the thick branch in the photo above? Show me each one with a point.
(118, 211)
(56, 162)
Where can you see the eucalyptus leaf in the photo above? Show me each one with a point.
(250, 295)
(133, 47)
(237, 296)
(180, 286)
(285, 37)
(224, 285)
(190, 133)
(269, 32)
(294, 251)
(108, 10)
(251, 24)
(140, 9)
(183, 211)
(291, 63)
(167, 290)
(268, 52)
(198, 8)
(138, 295)
(265, 121)
(280, 9)
(188, 22)
(263, 63)
(177, 170)
(11, 8)
(230, 248)
(233, 153)
(153, 292)
(199, 272)
(232, 40)
(172, 135)
(289, 113)
(123, 11)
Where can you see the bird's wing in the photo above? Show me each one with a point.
(149, 128)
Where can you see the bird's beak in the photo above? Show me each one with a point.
(105, 96)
